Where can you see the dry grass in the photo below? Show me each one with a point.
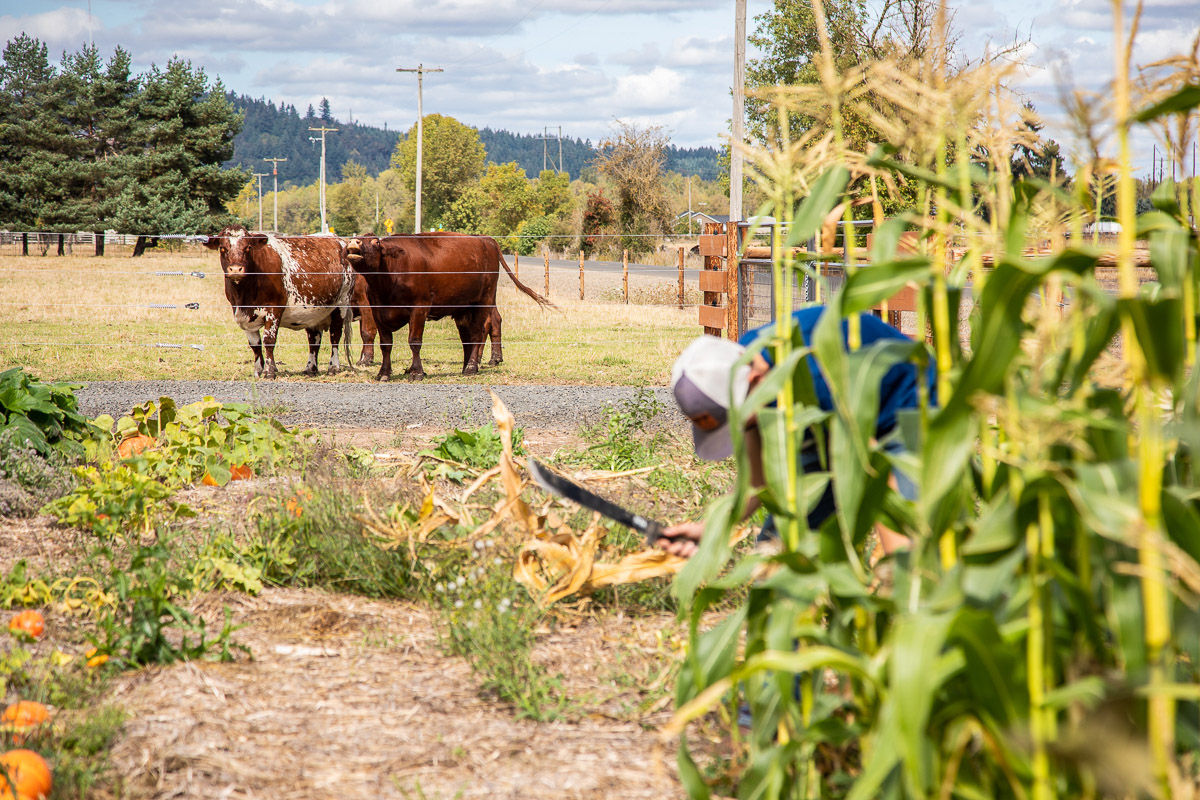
(352, 698)
(85, 318)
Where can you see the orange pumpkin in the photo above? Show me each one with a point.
(209, 480)
(135, 444)
(29, 622)
(24, 714)
(24, 775)
(241, 472)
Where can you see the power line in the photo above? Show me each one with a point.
(420, 70)
(275, 192)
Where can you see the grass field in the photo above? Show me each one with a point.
(80, 317)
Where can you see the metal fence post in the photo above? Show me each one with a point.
(580, 274)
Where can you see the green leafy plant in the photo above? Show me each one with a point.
(477, 449)
(113, 498)
(621, 441)
(149, 596)
(43, 415)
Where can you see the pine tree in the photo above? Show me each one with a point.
(185, 129)
(28, 120)
(326, 113)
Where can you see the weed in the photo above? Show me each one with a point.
(477, 449)
(621, 441)
(114, 498)
(81, 750)
(148, 595)
(489, 620)
(29, 479)
(309, 538)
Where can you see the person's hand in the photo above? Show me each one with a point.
(682, 539)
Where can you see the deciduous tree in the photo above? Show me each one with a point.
(634, 159)
(453, 159)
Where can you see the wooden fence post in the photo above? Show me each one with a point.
(732, 268)
(712, 262)
(580, 274)
(546, 257)
(99, 241)
(681, 279)
(24, 244)
(61, 241)
(625, 269)
(517, 265)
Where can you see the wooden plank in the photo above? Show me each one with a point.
(712, 280)
(903, 300)
(712, 316)
(731, 290)
(715, 230)
(712, 245)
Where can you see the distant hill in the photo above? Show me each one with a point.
(272, 131)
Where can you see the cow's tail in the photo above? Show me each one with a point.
(347, 327)
(541, 301)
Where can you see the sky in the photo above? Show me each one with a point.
(535, 64)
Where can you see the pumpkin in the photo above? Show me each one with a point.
(95, 659)
(29, 622)
(21, 715)
(136, 444)
(209, 480)
(241, 472)
(24, 775)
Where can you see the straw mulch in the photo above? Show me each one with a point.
(352, 698)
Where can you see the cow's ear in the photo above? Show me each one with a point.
(256, 239)
(213, 242)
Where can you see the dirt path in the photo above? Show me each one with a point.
(352, 698)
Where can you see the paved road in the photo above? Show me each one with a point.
(382, 405)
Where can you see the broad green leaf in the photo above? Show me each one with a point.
(689, 774)
(1159, 334)
(871, 285)
(1184, 99)
(826, 191)
(915, 675)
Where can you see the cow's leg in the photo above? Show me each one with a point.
(314, 349)
(335, 339)
(366, 329)
(416, 331)
(464, 333)
(385, 347)
(270, 332)
(255, 339)
(493, 326)
(477, 323)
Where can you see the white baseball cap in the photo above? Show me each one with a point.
(702, 381)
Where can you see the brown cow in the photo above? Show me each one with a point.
(360, 309)
(302, 282)
(417, 277)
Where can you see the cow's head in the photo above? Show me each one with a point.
(363, 253)
(236, 246)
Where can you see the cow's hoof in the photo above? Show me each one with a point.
(471, 369)
(309, 371)
(384, 377)
(495, 362)
(333, 370)
(365, 362)
(415, 376)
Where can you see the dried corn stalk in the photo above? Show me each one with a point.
(554, 566)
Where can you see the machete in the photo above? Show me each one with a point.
(553, 482)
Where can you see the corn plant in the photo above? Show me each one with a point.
(1041, 636)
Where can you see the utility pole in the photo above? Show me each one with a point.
(546, 137)
(739, 113)
(323, 130)
(420, 70)
(260, 176)
(275, 192)
(689, 205)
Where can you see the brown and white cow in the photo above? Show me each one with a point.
(417, 277)
(302, 283)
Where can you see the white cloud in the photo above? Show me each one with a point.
(62, 28)
(657, 89)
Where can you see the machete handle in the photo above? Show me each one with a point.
(653, 532)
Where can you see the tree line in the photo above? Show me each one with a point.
(625, 199)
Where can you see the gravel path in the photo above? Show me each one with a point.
(388, 405)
